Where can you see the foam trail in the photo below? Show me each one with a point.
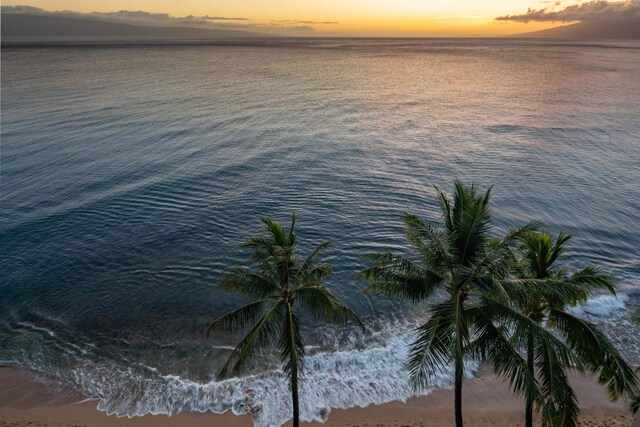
(600, 306)
(356, 376)
(36, 328)
(359, 372)
(339, 379)
(613, 316)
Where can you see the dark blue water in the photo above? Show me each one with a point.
(130, 174)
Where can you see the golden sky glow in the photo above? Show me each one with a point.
(353, 17)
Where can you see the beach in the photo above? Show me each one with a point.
(26, 401)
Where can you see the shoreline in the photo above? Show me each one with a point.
(487, 401)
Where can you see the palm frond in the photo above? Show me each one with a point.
(310, 266)
(559, 246)
(292, 230)
(592, 279)
(321, 303)
(597, 354)
(277, 232)
(259, 337)
(492, 344)
(245, 282)
(515, 234)
(430, 242)
(558, 292)
(291, 344)
(471, 221)
(557, 400)
(258, 243)
(522, 326)
(431, 351)
(237, 319)
(499, 257)
(400, 277)
(490, 285)
(445, 207)
(540, 251)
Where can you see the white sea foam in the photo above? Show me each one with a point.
(601, 306)
(357, 372)
(613, 317)
(36, 328)
(340, 379)
(347, 378)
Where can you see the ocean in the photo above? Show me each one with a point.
(129, 175)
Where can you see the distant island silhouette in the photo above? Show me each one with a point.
(17, 26)
(620, 29)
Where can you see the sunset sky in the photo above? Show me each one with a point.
(336, 17)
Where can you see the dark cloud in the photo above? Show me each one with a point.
(288, 27)
(594, 11)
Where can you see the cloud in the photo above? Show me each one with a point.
(284, 27)
(593, 11)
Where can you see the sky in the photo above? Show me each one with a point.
(386, 18)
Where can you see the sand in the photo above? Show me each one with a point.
(26, 401)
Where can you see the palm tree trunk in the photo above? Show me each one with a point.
(458, 396)
(294, 369)
(529, 405)
(459, 356)
(294, 398)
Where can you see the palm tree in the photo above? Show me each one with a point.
(586, 346)
(461, 259)
(281, 282)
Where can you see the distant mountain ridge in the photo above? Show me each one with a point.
(23, 26)
(589, 30)
(16, 26)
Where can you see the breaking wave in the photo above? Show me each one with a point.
(353, 376)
